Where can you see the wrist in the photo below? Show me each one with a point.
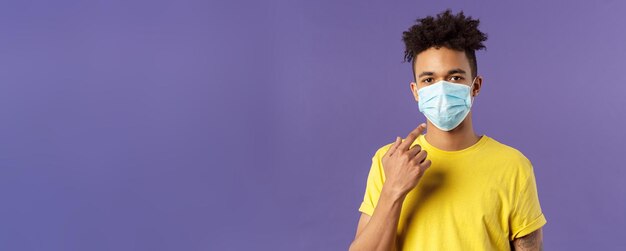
(393, 194)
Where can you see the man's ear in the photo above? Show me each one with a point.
(413, 87)
(477, 85)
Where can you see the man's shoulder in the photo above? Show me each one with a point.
(503, 148)
(508, 153)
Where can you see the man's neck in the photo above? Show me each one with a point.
(459, 138)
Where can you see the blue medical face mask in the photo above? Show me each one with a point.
(445, 104)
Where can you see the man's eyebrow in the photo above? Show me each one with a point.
(457, 70)
(426, 73)
(450, 72)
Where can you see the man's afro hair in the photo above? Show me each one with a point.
(456, 32)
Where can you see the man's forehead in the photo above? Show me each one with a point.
(441, 60)
(441, 68)
(452, 68)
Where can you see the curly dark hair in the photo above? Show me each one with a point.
(455, 32)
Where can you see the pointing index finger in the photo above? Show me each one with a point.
(412, 136)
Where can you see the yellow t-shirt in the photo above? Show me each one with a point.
(478, 198)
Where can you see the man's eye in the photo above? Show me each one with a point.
(456, 78)
(428, 80)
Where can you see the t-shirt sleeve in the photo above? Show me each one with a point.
(375, 180)
(526, 215)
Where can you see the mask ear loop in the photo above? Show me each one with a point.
(472, 91)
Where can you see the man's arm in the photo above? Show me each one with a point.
(403, 166)
(378, 232)
(529, 242)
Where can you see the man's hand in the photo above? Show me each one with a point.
(404, 166)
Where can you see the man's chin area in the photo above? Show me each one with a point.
(430, 126)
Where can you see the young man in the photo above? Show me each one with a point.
(449, 189)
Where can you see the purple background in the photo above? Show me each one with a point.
(194, 125)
